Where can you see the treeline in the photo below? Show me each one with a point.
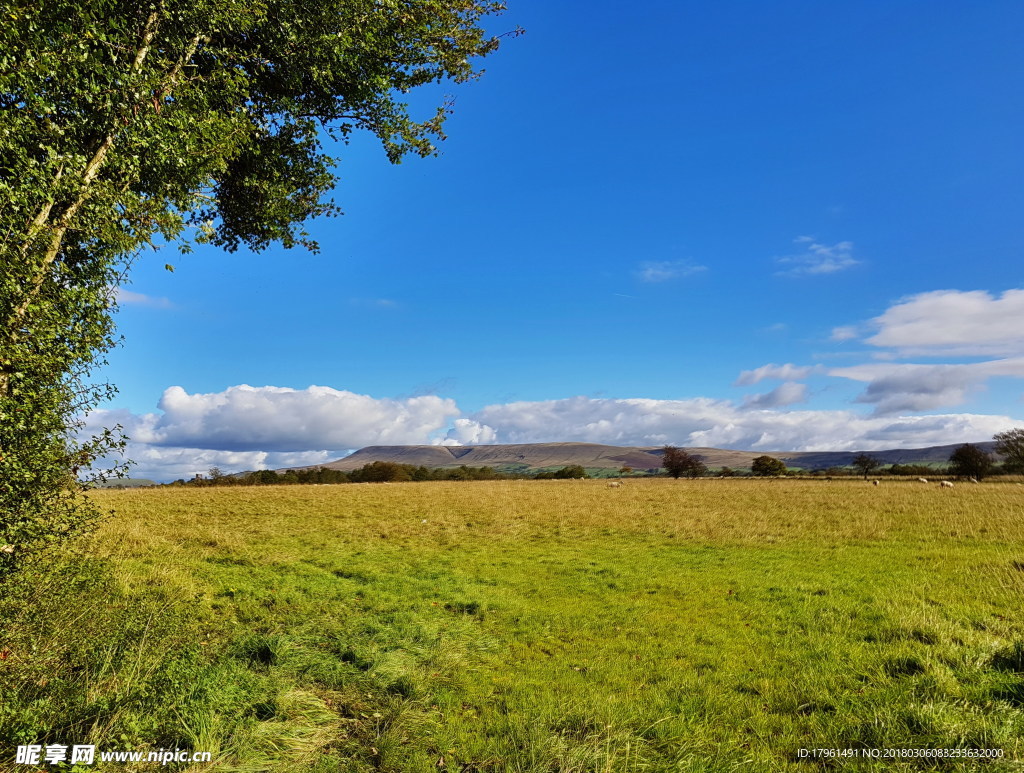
(375, 472)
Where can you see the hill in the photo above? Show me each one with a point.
(124, 483)
(534, 456)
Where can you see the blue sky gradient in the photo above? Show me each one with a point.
(633, 204)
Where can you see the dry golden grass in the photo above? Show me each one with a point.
(739, 510)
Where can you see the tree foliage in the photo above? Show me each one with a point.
(124, 125)
(679, 463)
(969, 461)
(865, 464)
(571, 472)
(767, 466)
(1010, 445)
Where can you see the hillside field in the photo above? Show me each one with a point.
(528, 626)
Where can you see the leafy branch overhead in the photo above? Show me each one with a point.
(153, 117)
(128, 124)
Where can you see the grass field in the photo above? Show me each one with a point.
(705, 625)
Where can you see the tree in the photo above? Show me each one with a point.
(865, 463)
(767, 466)
(970, 462)
(1010, 445)
(124, 125)
(679, 463)
(571, 472)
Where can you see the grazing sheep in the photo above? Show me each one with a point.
(922, 480)
(614, 483)
(874, 483)
(973, 480)
(946, 484)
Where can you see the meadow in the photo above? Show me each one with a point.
(528, 626)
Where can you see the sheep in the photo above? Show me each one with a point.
(614, 483)
(874, 483)
(922, 480)
(973, 480)
(945, 484)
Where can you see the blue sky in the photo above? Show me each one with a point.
(769, 226)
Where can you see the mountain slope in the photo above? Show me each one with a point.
(542, 455)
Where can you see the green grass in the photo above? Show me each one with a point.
(541, 626)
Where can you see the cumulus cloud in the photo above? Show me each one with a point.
(788, 393)
(900, 387)
(816, 258)
(723, 424)
(664, 270)
(953, 322)
(269, 418)
(467, 432)
(787, 372)
(247, 427)
(164, 464)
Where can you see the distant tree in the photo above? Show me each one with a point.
(1010, 445)
(215, 474)
(912, 470)
(768, 466)
(679, 463)
(265, 477)
(382, 472)
(970, 462)
(865, 463)
(572, 471)
(727, 472)
(625, 471)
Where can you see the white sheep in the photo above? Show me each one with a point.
(874, 483)
(946, 484)
(614, 483)
(922, 480)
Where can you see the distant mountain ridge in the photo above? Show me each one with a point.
(532, 456)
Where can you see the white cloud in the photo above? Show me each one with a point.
(818, 258)
(247, 427)
(467, 432)
(844, 333)
(953, 322)
(283, 419)
(664, 270)
(722, 424)
(163, 464)
(787, 372)
(899, 387)
(787, 393)
(129, 298)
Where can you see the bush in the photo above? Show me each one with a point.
(768, 466)
(572, 471)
